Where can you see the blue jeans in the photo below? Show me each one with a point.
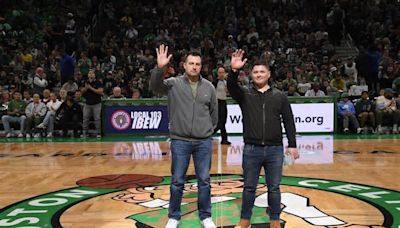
(271, 158)
(6, 119)
(181, 152)
(48, 121)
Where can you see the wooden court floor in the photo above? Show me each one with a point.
(352, 182)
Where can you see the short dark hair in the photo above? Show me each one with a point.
(259, 62)
(192, 53)
(364, 92)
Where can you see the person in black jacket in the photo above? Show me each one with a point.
(263, 109)
(69, 116)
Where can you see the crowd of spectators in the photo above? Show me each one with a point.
(45, 50)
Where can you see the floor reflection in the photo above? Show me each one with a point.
(313, 150)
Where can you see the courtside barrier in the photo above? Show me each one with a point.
(150, 116)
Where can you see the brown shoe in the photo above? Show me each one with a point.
(274, 224)
(243, 223)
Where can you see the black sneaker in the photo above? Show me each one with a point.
(225, 142)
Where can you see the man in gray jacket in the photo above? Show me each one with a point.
(193, 116)
(35, 112)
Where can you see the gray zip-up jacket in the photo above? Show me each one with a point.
(36, 109)
(190, 118)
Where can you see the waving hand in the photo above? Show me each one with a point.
(162, 56)
(237, 61)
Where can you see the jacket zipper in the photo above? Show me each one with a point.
(263, 120)
(194, 104)
(191, 129)
(263, 126)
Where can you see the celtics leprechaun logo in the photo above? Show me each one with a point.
(147, 198)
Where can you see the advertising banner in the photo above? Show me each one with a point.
(135, 119)
(310, 117)
(153, 119)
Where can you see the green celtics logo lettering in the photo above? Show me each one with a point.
(143, 202)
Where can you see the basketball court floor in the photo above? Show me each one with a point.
(351, 181)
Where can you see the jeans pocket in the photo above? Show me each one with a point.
(276, 149)
(247, 148)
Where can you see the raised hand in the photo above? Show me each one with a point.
(237, 61)
(162, 56)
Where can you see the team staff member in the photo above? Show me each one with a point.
(221, 91)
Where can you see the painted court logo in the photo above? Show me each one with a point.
(120, 120)
(148, 195)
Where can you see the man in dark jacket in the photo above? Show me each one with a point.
(365, 111)
(193, 116)
(92, 92)
(69, 116)
(263, 109)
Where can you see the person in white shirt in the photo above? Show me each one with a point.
(349, 69)
(70, 26)
(303, 86)
(39, 80)
(386, 109)
(221, 92)
(46, 96)
(117, 93)
(70, 86)
(252, 34)
(131, 33)
(48, 121)
(315, 91)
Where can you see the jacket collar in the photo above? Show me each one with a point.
(253, 87)
(186, 77)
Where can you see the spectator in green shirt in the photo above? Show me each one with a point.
(15, 114)
(289, 80)
(84, 64)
